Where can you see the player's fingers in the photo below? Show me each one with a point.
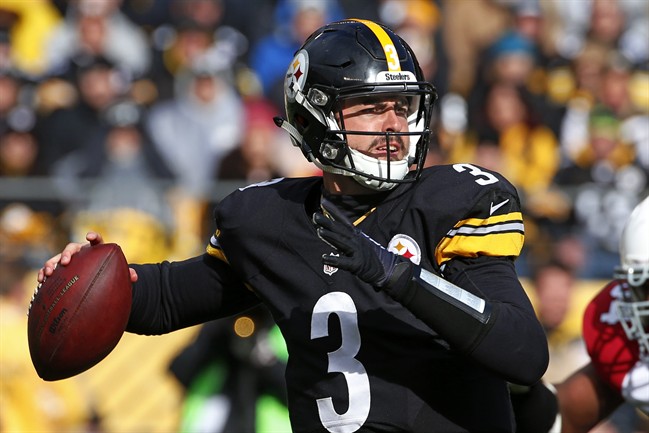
(319, 220)
(48, 267)
(94, 238)
(334, 226)
(68, 252)
(341, 262)
(320, 231)
(133, 274)
(340, 242)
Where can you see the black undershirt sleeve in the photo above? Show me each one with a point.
(500, 330)
(173, 295)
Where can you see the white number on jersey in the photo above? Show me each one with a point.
(483, 177)
(342, 360)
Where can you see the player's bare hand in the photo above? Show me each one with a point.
(71, 249)
(65, 256)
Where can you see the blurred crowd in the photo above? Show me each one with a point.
(132, 117)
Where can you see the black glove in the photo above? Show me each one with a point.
(535, 407)
(359, 254)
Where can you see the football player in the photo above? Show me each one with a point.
(616, 333)
(393, 286)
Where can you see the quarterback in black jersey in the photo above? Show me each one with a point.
(394, 286)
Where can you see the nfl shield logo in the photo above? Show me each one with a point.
(328, 269)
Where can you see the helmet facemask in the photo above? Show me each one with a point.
(337, 156)
(633, 314)
(332, 152)
(633, 309)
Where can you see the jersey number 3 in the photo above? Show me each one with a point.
(482, 177)
(342, 360)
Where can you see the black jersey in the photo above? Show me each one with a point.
(358, 360)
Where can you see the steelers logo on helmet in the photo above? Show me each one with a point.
(405, 246)
(296, 75)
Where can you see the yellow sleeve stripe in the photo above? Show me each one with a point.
(512, 216)
(496, 245)
(386, 43)
(497, 236)
(214, 250)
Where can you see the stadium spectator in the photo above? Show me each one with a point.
(195, 31)
(617, 25)
(419, 21)
(118, 158)
(194, 131)
(64, 129)
(295, 21)
(252, 160)
(529, 148)
(24, 30)
(20, 150)
(98, 29)
(10, 85)
(554, 286)
(469, 28)
(120, 149)
(635, 128)
(604, 183)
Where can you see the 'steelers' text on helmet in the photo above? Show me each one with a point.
(633, 309)
(347, 59)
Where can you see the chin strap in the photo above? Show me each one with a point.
(298, 140)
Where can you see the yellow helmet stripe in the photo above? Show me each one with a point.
(388, 46)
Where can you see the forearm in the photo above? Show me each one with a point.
(503, 336)
(585, 400)
(171, 296)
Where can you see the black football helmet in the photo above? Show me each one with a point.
(349, 59)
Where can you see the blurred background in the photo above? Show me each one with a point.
(134, 117)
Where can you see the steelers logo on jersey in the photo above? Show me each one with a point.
(296, 74)
(405, 246)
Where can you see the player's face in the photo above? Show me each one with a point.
(387, 113)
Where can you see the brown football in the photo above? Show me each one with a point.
(79, 313)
